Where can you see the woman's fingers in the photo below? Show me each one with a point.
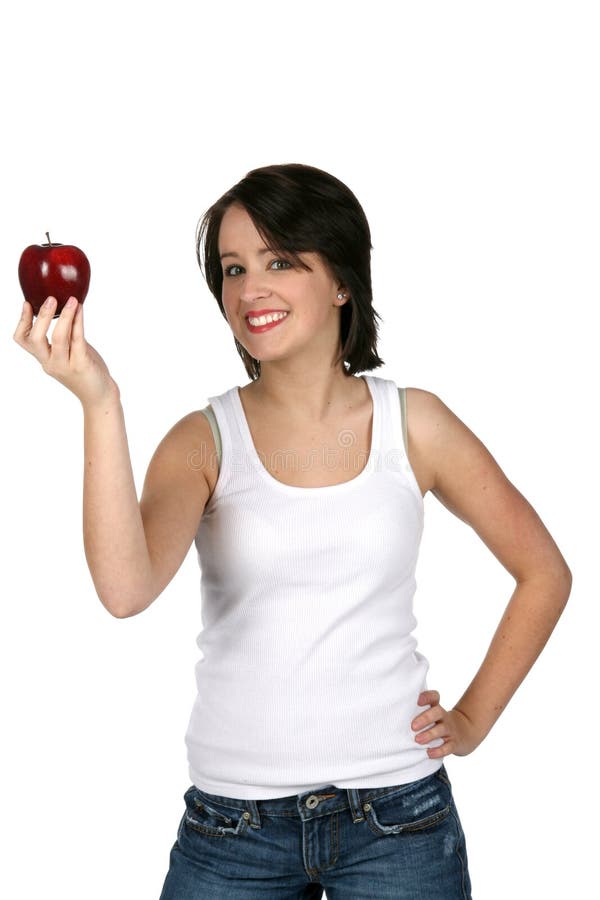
(429, 697)
(457, 734)
(32, 335)
(435, 714)
(437, 729)
(61, 336)
(70, 359)
(425, 698)
(77, 328)
(24, 322)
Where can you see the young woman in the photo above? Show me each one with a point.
(316, 751)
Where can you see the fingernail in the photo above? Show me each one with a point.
(48, 301)
(71, 302)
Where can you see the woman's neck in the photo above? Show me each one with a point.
(310, 396)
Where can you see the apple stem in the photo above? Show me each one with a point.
(48, 236)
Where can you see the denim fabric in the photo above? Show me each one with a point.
(401, 842)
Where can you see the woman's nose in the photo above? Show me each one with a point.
(253, 286)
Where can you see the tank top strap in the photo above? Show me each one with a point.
(393, 420)
(402, 394)
(214, 427)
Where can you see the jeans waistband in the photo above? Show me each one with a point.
(310, 804)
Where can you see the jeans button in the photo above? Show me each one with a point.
(312, 801)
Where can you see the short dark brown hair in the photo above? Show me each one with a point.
(295, 209)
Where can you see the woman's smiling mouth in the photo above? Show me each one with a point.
(258, 324)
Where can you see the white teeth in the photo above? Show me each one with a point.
(270, 317)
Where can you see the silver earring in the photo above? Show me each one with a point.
(340, 296)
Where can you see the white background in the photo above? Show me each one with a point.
(469, 133)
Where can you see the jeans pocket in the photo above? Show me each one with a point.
(411, 807)
(204, 815)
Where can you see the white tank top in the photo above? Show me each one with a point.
(309, 674)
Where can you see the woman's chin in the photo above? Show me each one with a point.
(263, 356)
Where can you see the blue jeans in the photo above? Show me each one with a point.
(401, 842)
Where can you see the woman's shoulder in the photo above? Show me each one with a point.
(427, 407)
(422, 401)
(423, 406)
(193, 435)
(443, 447)
(430, 418)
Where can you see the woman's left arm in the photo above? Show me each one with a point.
(467, 480)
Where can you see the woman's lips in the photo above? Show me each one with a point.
(258, 329)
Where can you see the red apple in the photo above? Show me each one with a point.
(53, 270)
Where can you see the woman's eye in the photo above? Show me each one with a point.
(280, 264)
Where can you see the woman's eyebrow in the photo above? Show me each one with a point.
(229, 253)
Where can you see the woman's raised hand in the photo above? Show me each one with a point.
(69, 359)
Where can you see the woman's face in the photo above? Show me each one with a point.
(256, 279)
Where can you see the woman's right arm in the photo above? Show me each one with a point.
(113, 533)
(133, 549)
